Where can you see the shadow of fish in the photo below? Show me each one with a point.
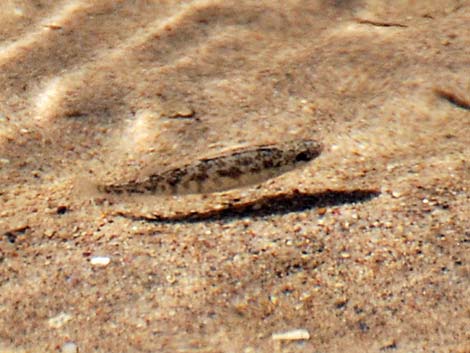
(233, 169)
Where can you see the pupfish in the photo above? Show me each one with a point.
(230, 170)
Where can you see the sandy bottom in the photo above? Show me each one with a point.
(366, 249)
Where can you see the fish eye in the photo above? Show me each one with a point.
(302, 157)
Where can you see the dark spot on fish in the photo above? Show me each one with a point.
(268, 163)
(303, 157)
(136, 189)
(277, 162)
(173, 181)
(256, 166)
(218, 163)
(203, 166)
(200, 176)
(149, 187)
(115, 189)
(175, 176)
(233, 172)
(244, 161)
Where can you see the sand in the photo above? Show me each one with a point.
(364, 250)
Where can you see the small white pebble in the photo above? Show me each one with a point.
(59, 320)
(100, 260)
(18, 11)
(171, 278)
(298, 334)
(69, 347)
(274, 299)
(396, 194)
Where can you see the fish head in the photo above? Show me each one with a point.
(303, 151)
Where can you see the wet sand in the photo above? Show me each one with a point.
(366, 248)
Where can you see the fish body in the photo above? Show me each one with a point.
(230, 170)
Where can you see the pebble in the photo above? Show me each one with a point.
(100, 261)
(52, 26)
(182, 112)
(69, 347)
(293, 335)
(59, 320)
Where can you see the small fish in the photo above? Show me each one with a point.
(233, 169)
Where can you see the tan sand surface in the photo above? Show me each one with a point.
(366, 249)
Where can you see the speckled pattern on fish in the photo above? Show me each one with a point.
(233, 169)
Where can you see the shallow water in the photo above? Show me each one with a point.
(366, 248)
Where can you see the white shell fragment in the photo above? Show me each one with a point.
(100, 261)
(292, 335)
(69, 347)
(59, 320)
